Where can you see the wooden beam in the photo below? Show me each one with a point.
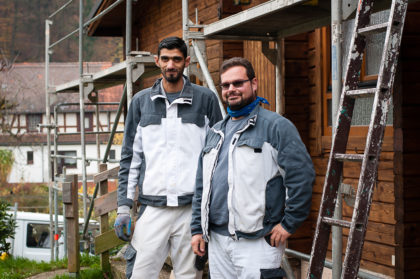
(104, 222)
(73, 228)
(107, 174)
(106, 241)
(106, 203)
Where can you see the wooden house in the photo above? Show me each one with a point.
(392, 246)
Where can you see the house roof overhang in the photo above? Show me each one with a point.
(267, 21)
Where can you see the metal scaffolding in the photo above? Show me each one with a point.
(269, 21)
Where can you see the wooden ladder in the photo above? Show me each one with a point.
(369, 159)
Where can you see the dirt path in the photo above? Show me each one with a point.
(49, 274)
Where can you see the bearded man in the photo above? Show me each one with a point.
(254, 183)
(165, 131)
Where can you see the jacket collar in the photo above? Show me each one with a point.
(186, 96)
(251, 120)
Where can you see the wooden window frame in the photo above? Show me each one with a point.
(326, 82)
(88, 115)
(28, 129)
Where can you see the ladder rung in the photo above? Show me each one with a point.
(336, 222)
(361, 93)
(377, 28)
(349, 157)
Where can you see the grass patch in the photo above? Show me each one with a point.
(19, 268)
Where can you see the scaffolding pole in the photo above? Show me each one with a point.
(129, 69)
(48, 121)
(82, 110)
(55, 182)
(108, 147)
(280, 99)
(336, 81)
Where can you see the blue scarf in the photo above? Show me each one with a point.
(248, 108)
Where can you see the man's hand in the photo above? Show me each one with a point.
(278, 235)
(198, 245)
(123, 226)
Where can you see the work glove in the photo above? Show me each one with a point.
(122, 223)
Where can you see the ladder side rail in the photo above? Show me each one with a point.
(374, 139)
(339, 142)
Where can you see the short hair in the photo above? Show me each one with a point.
(238, 61)
(173, 43)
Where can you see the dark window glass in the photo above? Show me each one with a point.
(29, 157)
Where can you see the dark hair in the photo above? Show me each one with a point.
(173, 43)
(238, 61)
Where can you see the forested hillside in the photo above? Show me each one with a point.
(22, 32)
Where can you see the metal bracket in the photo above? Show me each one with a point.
(137, 71)
(271, 54)
(349, 194)
(348, 7)
(88, 88)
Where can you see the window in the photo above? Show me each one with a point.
(30, 158)
(112, 154)
(32, 121)
(69, 163)
(368, 75)
(88, 122)
(37, 236)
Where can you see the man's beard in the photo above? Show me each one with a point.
(242, 103)
(174, 75)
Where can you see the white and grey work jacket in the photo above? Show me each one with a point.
(270, 176)
(162, 143)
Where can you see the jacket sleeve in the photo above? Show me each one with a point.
(213, 110)
(298, 177)
(130, 157)
(196, 202)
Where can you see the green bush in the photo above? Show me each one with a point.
(7, 227)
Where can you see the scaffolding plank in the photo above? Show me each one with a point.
(271, 19)
(109, 77)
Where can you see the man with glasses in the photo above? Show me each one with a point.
(165, 131)
(254, 183)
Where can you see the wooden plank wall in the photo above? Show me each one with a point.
(264, 71)
(379, 247)
(296, 100)
(407, 151)
(163, 18)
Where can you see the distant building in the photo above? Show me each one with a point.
(24, 87)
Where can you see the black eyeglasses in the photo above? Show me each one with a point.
(176, 59)
(236, 84)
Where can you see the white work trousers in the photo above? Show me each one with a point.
(159, 231)
(243, 258)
